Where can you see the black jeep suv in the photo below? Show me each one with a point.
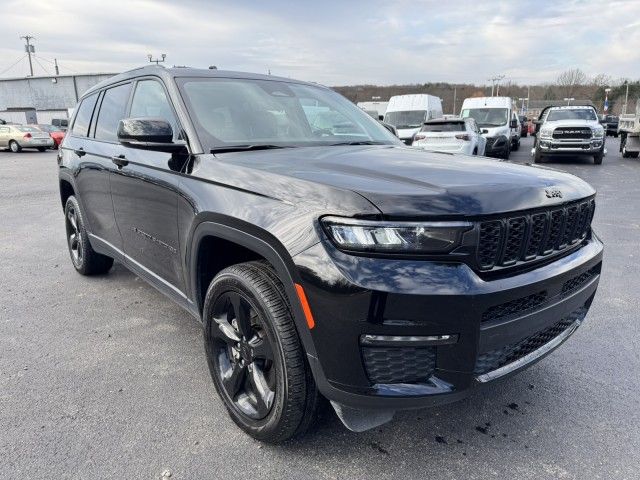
(324, 259)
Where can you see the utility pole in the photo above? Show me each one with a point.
(495, 80)
(626, 99)
(454, 99)
(29, 49)
(55, 63)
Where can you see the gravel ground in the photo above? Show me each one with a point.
(105, 378)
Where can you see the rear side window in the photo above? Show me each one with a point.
(112, 110)
(83, 117)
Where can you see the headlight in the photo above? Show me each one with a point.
(598, 132)
(546, 132)
(394, 237)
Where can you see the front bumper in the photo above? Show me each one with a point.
(498, 326)
(558, 147)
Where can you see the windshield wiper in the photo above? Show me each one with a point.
(357, 142)
(246, 148)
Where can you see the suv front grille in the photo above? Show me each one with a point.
(572, 133)
(523, 238)
(399, 364)
(514, 307)
(500, 357)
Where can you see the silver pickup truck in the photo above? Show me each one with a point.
(629, 130)
(568, 130)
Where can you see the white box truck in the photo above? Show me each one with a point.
(629, 131)
(379, 107)
(407, 113)
(497, 117)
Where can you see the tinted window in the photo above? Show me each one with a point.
(444, 127)
(112, 110)
(83, 117)
(150, 100)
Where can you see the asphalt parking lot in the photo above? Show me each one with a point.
(105, 378)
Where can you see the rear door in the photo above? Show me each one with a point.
(4, 136)
(145, 195)
(92, 166)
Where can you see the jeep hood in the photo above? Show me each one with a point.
(406, 182)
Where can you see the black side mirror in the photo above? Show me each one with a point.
(148, 133)
(514, 124)
(485, 130)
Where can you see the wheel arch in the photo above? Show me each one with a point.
(246, 244)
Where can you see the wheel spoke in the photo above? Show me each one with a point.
(261, 348)
(72, 220)
(225, 331)
(241, 312)
(233, 379)
(73, 240)
(263, 394)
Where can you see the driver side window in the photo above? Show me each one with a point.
(150, 100)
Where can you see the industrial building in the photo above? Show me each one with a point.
(41, 99)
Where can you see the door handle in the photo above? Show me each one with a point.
(80, 152)
(120, 161)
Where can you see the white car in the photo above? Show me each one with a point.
(459, 135)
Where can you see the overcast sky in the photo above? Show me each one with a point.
(334, 42)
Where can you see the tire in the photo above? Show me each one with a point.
(516, 147)
(475, 151)
(537, 156)
(507, 152)
(85, 260)
(261, 350)
(14, 146)
(597, 159)
(42, 149)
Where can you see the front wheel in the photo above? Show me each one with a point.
(255, 357)
(597, 159)
(537, 156)
(85, 259)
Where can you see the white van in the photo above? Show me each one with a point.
(497, 117)
(379, 107)
(408, 112)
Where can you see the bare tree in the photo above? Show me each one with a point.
(569, 80)
(602, 80)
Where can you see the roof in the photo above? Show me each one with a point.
(169, 74)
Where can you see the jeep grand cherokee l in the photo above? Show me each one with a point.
(327, 261)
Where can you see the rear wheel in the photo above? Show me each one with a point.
(255, 357)
(85, 260)
(14, 147)
(516, 146)
(42, 149)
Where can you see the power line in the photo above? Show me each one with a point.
(41, 66)
(13, 65)
(54, 63)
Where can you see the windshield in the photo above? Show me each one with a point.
(406, 119)
(487, 117)
(443, 127)
(572, 114)
(247, 112)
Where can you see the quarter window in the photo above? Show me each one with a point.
(83, 117)
(112, 110)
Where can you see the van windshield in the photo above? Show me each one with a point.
(406, 119)
(487, 117)
(240, 112)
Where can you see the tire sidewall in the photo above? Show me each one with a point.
(81, 264)
(14, 147)
(225, 282)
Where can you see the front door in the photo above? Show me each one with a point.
(145, 198)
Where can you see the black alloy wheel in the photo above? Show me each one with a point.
(243, 355)
(72, 223)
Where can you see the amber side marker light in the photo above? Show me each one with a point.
(305, 306)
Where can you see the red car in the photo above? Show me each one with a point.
(54, 132)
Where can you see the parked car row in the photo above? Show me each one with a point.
(40, 137)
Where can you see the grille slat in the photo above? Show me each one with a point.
(508, 241)
(514, 307)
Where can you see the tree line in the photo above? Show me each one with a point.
(569, 84)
